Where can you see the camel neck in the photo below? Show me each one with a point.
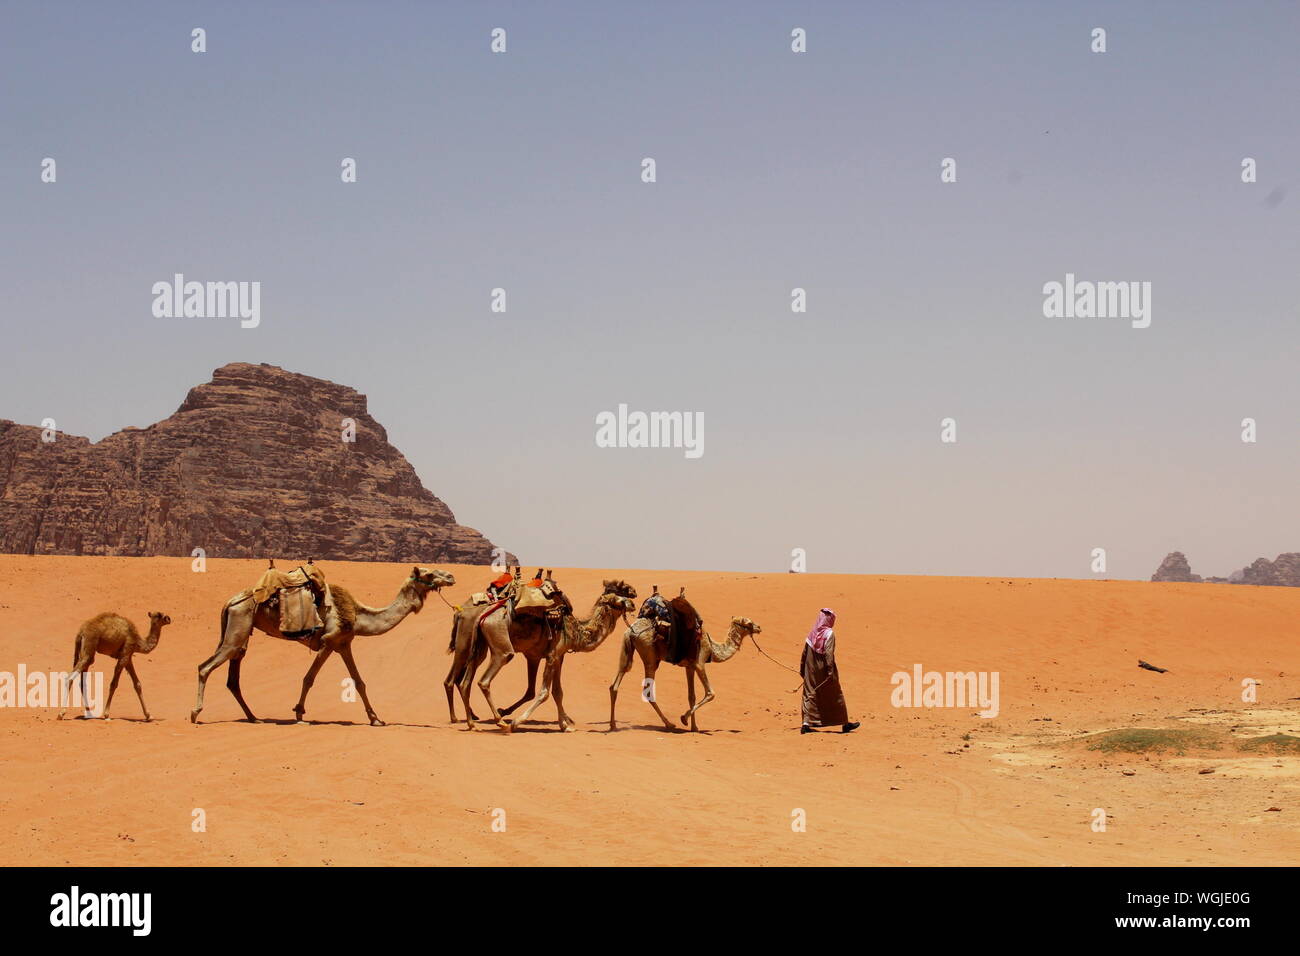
(727, 649)
(381, 620)
(593, 631)
(151, 639)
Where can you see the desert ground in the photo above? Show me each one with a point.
(913, 786)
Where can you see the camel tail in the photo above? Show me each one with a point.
(76, 649)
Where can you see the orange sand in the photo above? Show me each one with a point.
(904, 789)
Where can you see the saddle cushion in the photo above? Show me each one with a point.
(298, 611)
(299, 596)
(531, 600)
(273, 580)
(687, 631)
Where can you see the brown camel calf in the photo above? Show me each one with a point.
(116, 637)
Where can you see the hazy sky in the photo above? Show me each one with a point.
(775, 170)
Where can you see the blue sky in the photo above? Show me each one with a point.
(775, 170)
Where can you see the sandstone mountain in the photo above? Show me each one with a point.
(1284, 571)
(1175, 568)
(252, 464)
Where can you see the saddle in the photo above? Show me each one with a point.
(531, 600)
(676, 623)
(300, 596)
(539, 597)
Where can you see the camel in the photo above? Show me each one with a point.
(116, 637)
(526, 631)
(581, 637)
(501, 634)
(463, 641)
(653, 651)
(345, 618)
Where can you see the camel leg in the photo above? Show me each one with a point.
(135, 680)
(548, 679)
(232, 642)
(485, 685)
(117, 672)
(566, 722)
(529, 693)
(466, 686)
(449, 685)
(458, 669)
(624, 665)
(463, 650)
(466, 681)
(310, 678)
(206, 668)
(85, 694)
(78, 673)
(82, 657)
(480, 655)
(345, 652)
(66, 697)
(651, 662)
(690, 693)
(232, 683)
(708, 696)
(449, 682)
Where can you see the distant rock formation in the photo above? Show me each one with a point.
(1284, 571)
(1175, 568)
(252, 464)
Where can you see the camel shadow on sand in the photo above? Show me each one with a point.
(291, 722)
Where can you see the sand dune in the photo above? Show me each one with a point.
(913, 786)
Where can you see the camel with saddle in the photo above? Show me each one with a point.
(672, 632)
(537, 621)
(300, 606)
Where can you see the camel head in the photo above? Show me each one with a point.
(741, 627)
(618, 603)
(618, 586)
(432, 578)
(157, 621)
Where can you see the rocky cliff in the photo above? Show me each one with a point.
(252, 464)
(1175, 568)
(1284, 571)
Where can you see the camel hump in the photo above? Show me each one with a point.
(344, 604)
(106, 624)
(106, 632)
